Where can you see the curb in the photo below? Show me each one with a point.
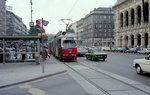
(25, 81)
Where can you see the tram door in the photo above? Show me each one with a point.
(59, 48)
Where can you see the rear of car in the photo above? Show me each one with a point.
(96, 54)
(81, 51)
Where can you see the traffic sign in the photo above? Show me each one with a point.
(43, 34)
(45, 22)
(31, 24)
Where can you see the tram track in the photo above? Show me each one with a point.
(116, 79)
(97, 86)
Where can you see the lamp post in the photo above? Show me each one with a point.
(31, 11)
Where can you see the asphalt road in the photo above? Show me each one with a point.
(58, 85)
(121, 64)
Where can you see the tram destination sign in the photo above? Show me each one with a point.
(69, 38)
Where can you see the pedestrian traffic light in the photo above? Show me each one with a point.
(38, 27)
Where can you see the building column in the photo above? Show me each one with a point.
(124, 19)
(135, 41)
(136, 16)
(123, 41)
(129, 18)
(129, 41)
(142, 41)
(142, 17)
(118, 42)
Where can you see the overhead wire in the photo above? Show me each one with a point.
(72, 8)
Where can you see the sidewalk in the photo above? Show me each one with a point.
(15, 73)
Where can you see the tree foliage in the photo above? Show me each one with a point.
(32, 31)
(71, 30)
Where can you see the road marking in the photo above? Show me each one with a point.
(36, 91)
(33, 91)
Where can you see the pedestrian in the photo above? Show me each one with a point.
(15, 52)
(30, 52)
(48, 52)
(45, 53)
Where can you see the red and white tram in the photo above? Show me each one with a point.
(64, 46)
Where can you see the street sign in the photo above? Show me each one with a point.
(43, 34)
(45, 22)
(31, 24)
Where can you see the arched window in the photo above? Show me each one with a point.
(139, 39)
(121, 16)
(127, 18)
(139, 14)
(132, 41)
(132, 16)
(146, 40)
(146, 12)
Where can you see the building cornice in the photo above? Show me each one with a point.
(116, 5)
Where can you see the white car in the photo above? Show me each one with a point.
(142, 65)
(144, 51)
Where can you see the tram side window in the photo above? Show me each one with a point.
(69, 43)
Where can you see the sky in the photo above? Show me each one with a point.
(54, 10)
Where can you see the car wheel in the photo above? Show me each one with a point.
(138, 69)
(103, 59)
(87, 58)
(92, 59)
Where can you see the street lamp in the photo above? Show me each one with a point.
(31, 9)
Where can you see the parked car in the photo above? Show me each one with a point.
(106, 48)
(96, 54)
(133, 50)
(113, 49)
(144, 51)
(123, 49)
(81, 51)
(142, 65)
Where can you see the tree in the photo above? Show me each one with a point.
(71, 30)
(51, 38)
(32, 31)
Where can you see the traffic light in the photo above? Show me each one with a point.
(38, 26)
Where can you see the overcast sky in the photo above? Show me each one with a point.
(54, 10)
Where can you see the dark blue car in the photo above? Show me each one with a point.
(133, 50)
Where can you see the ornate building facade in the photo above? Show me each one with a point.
(131, 29)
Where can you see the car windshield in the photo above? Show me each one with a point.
(69, 43)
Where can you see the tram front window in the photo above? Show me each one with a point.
(69, 43)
